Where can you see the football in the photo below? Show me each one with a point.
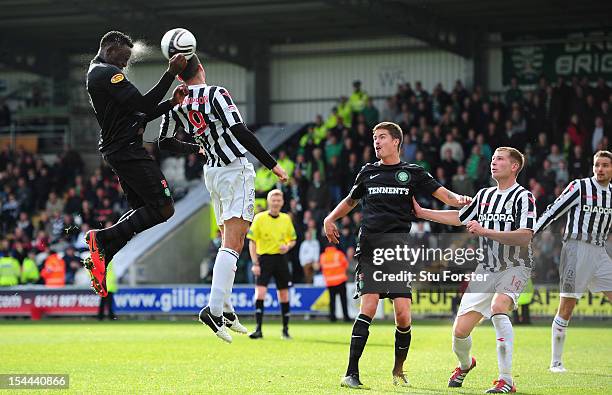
(178, 40)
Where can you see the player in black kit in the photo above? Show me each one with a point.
(385, 189)
(122, 112)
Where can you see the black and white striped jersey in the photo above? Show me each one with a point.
(507, 210)
(589, 211)
(207, 114)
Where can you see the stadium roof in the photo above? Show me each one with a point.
(240, 30)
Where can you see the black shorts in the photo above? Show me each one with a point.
(141, 178)
(359, 285)
(274, 265)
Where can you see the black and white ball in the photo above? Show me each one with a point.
(178, 40)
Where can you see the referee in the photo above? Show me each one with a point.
(122, 113)
(271, 236)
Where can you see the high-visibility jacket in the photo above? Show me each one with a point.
(358, 100)
(333, 265)
(9, 271)
(54, 271)
(346, 113)
(29, 271)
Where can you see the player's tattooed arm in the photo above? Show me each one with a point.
(341, 210)
(447, 217)
(451, 198)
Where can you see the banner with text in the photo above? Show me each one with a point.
(586, 54)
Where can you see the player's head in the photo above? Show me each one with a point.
(275, 201)
(602, 166)
(116, 48)
(507, 162)
(193, 68)
(388, 138)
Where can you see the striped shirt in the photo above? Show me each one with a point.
(507, 210)
(207, 114)
(589, 211)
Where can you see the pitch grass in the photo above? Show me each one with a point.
(129, 357)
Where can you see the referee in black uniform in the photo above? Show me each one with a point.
(122, 112)
(385, 189)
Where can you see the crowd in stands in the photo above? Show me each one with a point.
(46, 206)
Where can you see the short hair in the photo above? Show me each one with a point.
(275, 192)
(116, 38)
(394, 130)
(602, 154)
(515, 156)
(191, 69)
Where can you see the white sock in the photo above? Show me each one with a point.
(505, 342)
(222, 279)
(559, 326)
(462, 348)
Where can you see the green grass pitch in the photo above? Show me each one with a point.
(184, 357)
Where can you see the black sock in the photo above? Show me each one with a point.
(285, 313)
(402, 345)
(359, 338)
(139, 220)
(259, 310)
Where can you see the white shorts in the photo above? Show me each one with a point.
(479, 295)
(584, 267)
(232, 190)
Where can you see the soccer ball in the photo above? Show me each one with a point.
(178, 41)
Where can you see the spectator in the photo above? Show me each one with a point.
(448, 163)
(390, 112)
(333, 148)
(371, 113)
(333, 266)
(345, 111)
(335, 177)
(462, 184)
(577, 164)
(309, 255)
(514, 93)
(358, 99)
(598, 133)
(72, 263)
(54, 205)
(419, 159)
(54, 271)
(455, 148)
(409, 149)
(318, 192)
(576, 131)
(29, 269)
(9, 270)
(562, 175)
(554, 157)
(316, 164)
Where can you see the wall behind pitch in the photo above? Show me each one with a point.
(307, 79)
